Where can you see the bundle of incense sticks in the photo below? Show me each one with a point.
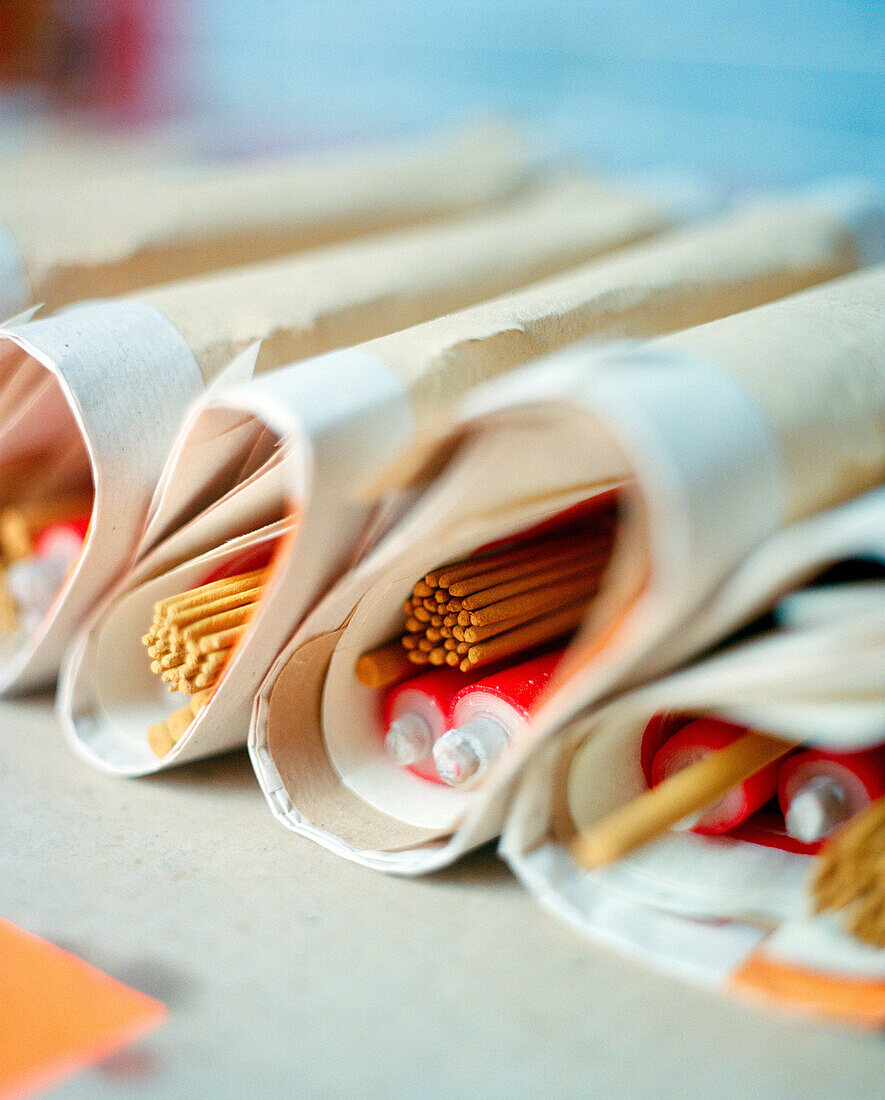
(19, 526)
(493, 606)
(850, 875)
(163, 736)
(193, 633)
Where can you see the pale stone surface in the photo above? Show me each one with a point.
(290, 972)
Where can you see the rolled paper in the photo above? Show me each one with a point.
(693, 275)
(293, 308)
(720, 912)
(703, 520)
(337, 296)
(813, 365)
(729, 264)
(818, 791)
(698, 740)
(134, 229)
(487, 715)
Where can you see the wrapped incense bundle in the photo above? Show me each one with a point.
(342, 418)
(44, 154)
(135, 229)
(700, 490)
(749, 899)
(298, 307)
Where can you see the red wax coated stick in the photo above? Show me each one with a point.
(64, 537)
(660, 728)
(415, 714)
(819, 790)
(486, 715)
(699, 739)
(508, 695)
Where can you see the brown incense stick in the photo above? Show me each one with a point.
(163, 736)
(498, 603)
(193, 633)
(526, 604)
(386, 665)
(582, 567)
(461, 571)
(546, 628)
(689, 790)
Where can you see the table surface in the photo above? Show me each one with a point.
(290, 971)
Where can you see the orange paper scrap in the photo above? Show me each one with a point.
(855, 1000)
(59, 1014)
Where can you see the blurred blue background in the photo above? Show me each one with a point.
(757, 91)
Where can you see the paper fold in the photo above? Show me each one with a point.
(127, 366)
(822, 683)
(709, 486)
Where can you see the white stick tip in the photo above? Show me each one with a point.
(814, 812)
(456, 762)
(465, 753)
(408, 740)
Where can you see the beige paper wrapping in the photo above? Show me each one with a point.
(803, 243)
(707, 455)
(820, 681)
(138, 229)
(104, 394)
(342, 294)
(817, 369)
(338, 296)
(736, 262)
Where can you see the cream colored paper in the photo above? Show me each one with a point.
(288, 310)
(130, 229)
(127, 367)
(324, 430)
(710, 486)
(821, 682)
(103, 388)
(737, 261)
(335, 297)
(208, 452)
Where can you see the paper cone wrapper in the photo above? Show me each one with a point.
(317, 436)
(296, 308)
(104, 388)
(629, 417)
(703, 908)
(428, 365)
(746, 258)
(134, 229)
(335, 297)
